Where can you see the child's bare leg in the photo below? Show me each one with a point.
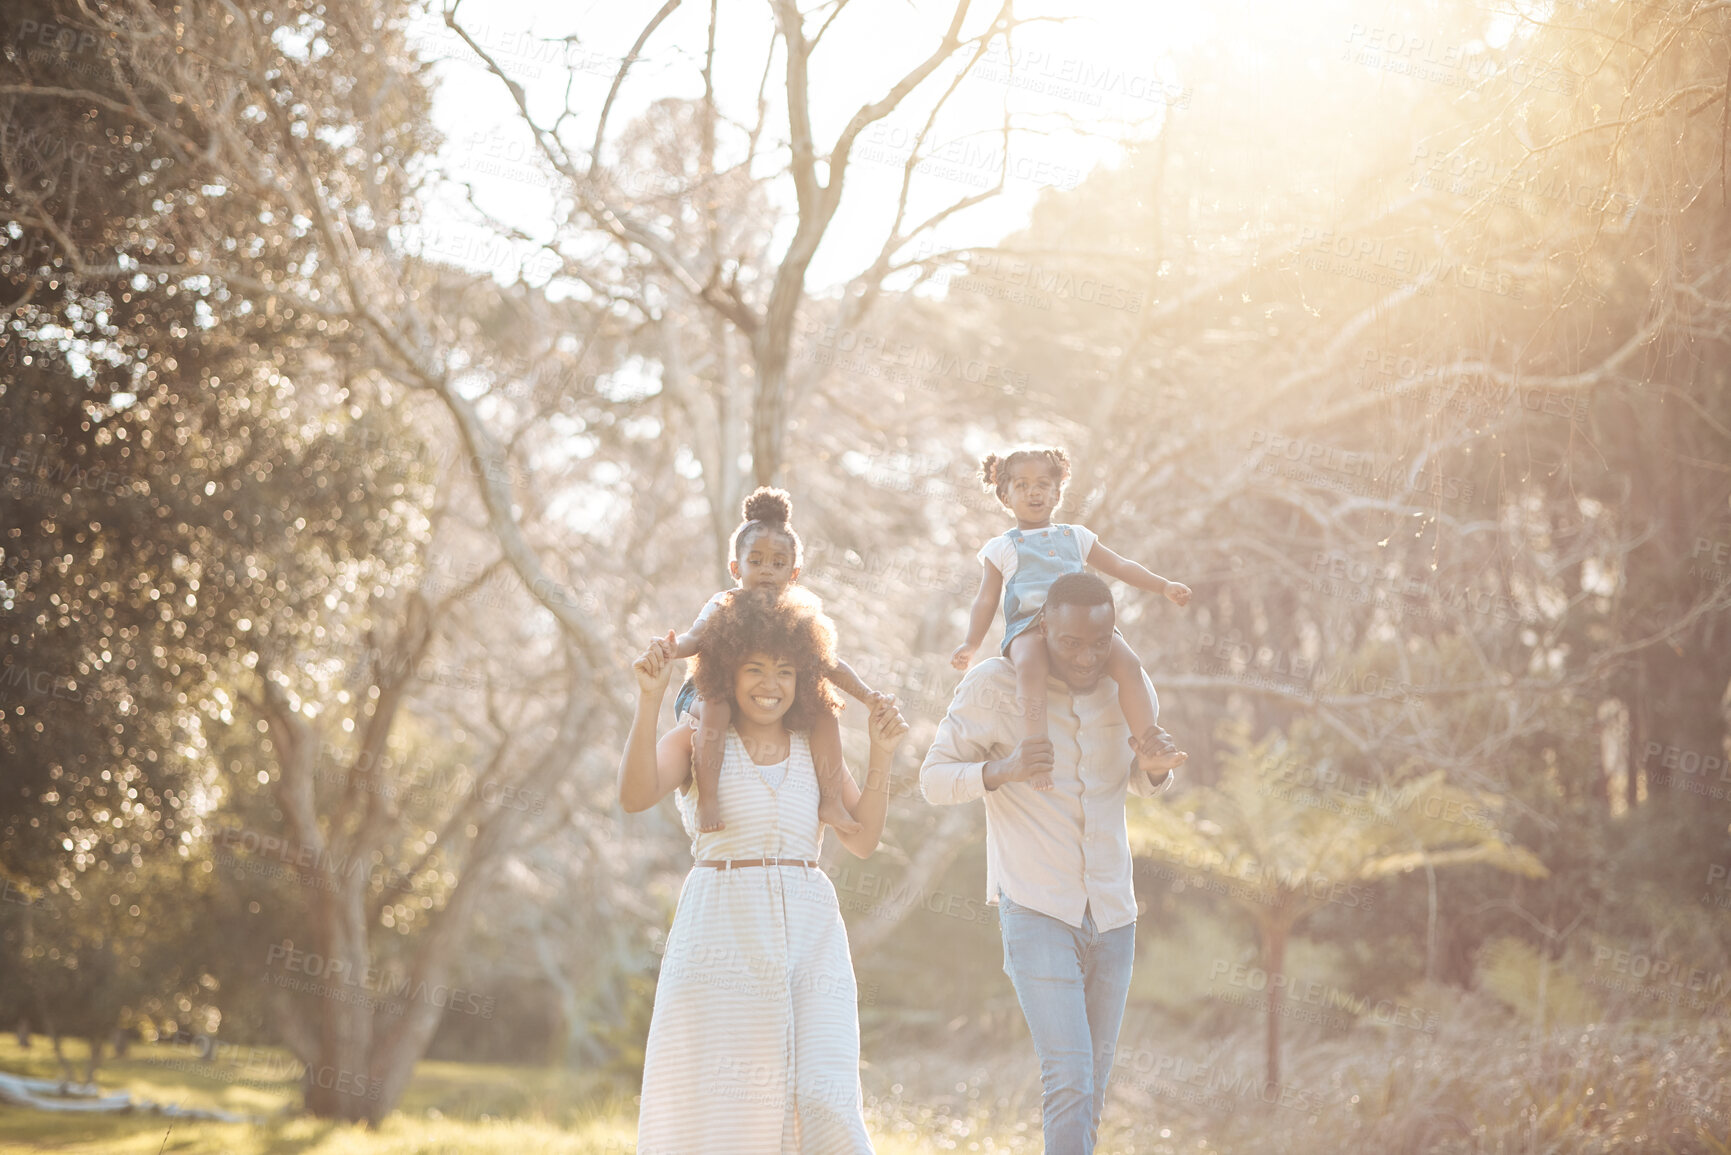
(1137, 703)
(713, 719)
(826, 758)
(1028, 655)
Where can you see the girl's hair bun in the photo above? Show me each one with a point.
(989, 470)
(770, 506)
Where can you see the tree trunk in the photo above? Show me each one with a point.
(1274, 936)
(769, 413)
(334, 1088)
(400, 1045)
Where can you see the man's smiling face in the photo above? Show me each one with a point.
(1078, 640)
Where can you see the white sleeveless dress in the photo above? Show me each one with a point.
(754, 1040)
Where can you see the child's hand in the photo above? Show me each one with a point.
(886, 727)
(1156, 752)
(655, 666)
(1178, 593)
(963, 656)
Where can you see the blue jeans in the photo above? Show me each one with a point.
(1072, 983)
(686, 699)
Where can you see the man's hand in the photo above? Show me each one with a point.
(1030, 757)
(1177, 593)
(655, 666)
(963, 655)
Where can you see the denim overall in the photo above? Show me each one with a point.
(1042, 557)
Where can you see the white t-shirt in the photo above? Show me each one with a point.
(1001, 551)
(709, 607)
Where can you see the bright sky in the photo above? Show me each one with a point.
(1104, 72)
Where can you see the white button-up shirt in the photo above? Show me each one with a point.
(1059, 851)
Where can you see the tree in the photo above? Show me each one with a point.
(696, 257)
(111, 953)
(1295, 824)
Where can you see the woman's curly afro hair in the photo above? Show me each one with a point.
(787, 624)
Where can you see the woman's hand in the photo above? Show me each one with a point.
(655, 667)
(886, 726)
(1177, 593)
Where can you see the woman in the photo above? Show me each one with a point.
(754, 1040)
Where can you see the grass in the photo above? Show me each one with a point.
(25, 1130)
(448, 1107)
(1482, 1085)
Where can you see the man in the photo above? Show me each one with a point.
(1058, 862)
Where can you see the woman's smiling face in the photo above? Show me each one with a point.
(763, 687)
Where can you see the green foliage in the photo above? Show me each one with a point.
(1535, 987)
(1294, 818)
(1175, 963)
(134, 949)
